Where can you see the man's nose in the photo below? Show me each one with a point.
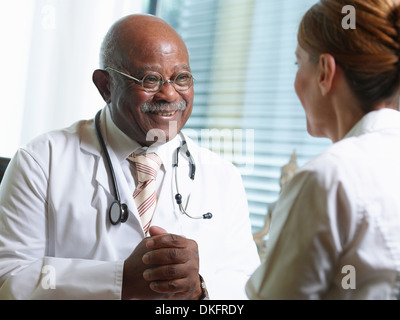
(167, 92)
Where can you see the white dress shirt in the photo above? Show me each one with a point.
(56, 239)
(335, 232)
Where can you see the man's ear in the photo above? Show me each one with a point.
(327, 69)
(102, 82)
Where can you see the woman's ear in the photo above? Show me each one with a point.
(327, 69)
(102, 82)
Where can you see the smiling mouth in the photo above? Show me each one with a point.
(164, 114)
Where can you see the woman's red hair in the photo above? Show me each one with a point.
(368, 54)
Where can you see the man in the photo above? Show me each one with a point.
(57, 239)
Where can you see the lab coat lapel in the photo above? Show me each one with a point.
(90, 144)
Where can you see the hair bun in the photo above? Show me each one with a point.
(369, 55)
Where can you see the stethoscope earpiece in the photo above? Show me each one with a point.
(178, 198)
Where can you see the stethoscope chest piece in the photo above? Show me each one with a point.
(118, 213)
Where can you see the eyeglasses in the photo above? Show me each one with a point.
(153, 81)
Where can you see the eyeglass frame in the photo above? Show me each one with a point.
(161, 82)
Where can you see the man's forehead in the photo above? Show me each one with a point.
(153, 57)
(150, 45)
(143, 28)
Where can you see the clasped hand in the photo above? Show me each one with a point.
(162, 266)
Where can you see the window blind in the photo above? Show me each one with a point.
(245, 106)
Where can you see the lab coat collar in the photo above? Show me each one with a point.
(166, 152)
(90, 143)
(119, 142)
(123, 146)
(377, 120)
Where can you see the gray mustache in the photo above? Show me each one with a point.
(163, 106)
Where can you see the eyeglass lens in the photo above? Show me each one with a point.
(153, 81)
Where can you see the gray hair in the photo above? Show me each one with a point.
(109, 50)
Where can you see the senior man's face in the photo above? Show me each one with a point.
(141, 114)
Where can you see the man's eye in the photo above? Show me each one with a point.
(151, 79)
(182, 77)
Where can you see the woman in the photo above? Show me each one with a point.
(335, 233)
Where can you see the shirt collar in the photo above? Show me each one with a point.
(376, 120)
(119, 142)
(123, 146)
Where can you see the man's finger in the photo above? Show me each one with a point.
(166, 256)
(166, 240)
(163, 273)
(171, 286)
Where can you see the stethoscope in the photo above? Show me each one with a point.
(118, 211)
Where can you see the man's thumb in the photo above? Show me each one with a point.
(154, 231)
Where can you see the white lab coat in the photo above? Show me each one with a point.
(56, 240)
(335, 232)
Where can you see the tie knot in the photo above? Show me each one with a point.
(147, 165)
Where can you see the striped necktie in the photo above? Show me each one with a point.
(147, 166)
